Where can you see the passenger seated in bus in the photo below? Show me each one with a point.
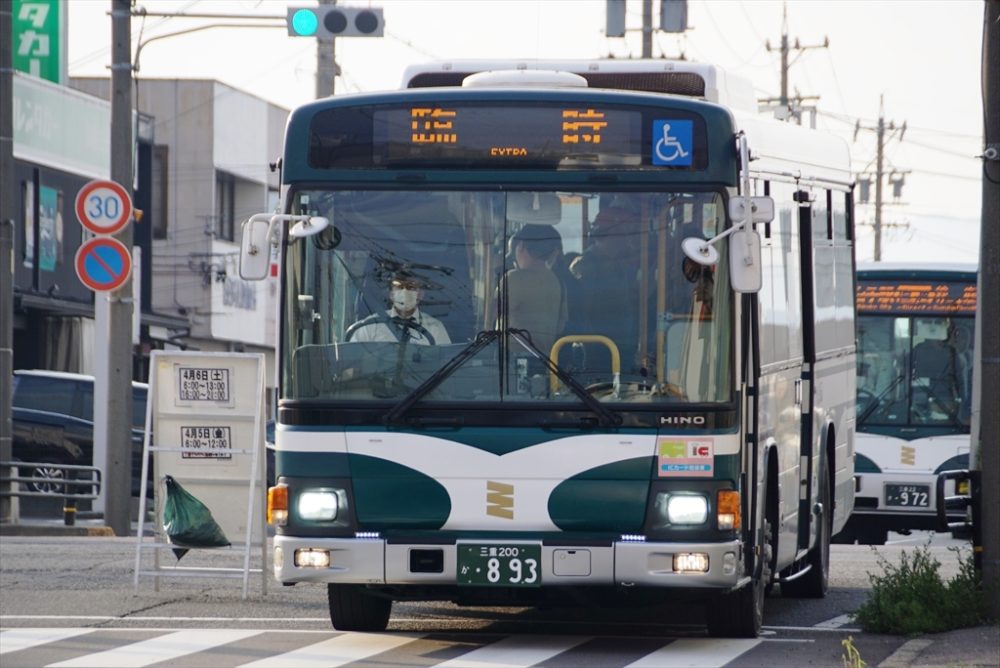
(531, 296)
(403, 321)
(608, 273)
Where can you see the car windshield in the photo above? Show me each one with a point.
(571, 296)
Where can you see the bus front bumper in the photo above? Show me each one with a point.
(376, 561)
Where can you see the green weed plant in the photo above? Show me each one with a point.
(911, 598)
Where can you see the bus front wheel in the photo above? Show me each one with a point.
(354, 608)
(740, 614)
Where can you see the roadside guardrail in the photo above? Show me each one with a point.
(77, 483)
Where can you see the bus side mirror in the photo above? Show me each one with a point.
(255, 248)
(744, 261)
(744, 243)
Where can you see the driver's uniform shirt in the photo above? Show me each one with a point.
(383, 331)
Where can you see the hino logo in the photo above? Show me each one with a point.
(683, 420)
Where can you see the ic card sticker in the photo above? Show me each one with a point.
(685, 457)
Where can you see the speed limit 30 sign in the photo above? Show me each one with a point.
(103, 207)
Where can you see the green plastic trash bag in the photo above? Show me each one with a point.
(188, 522)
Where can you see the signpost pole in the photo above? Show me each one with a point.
(118, 373)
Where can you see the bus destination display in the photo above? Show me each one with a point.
(480, 134)
(917, 298)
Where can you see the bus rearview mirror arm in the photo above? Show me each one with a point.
(744, 256)
(260, 234)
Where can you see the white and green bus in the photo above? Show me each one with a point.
(915, 346)
(668, 417)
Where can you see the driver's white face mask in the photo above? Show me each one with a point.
(403, 299)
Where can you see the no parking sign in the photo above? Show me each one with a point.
(103, 264)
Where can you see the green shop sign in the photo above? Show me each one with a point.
(38, 37)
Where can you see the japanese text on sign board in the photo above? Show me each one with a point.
(206, 443)
(198, 384)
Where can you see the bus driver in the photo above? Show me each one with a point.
(404, 321)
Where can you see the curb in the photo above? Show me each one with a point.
(906, 654)
(53, 530)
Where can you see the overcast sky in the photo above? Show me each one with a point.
(923, 57)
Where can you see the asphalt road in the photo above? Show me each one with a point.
(84, 587)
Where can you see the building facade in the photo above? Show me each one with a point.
(203, 165)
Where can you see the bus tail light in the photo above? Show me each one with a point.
(727, 510)
(277, 505)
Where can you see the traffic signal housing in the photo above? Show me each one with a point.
(333, 21)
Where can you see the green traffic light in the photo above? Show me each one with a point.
(304, 22)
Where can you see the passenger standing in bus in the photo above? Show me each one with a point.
(608, 271)
(404, 321)
(532, 297)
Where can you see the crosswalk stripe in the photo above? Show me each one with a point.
(696, 653)
(13, 640)
(155, 650)
(515, 651)
(836, 622)
(336, 651)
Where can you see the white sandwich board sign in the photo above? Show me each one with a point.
(205, 436)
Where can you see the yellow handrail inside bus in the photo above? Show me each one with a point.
(616, 360)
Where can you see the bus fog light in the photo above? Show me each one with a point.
(729, 563)
(318, 505)
(312, 558)
(691, 562)
(687, 509)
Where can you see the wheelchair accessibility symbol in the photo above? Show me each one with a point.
(672, 142)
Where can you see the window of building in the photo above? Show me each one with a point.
(158, 196)
(225, 207)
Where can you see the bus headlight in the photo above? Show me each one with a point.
(318, 505)
(684, 508)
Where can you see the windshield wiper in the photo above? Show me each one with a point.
(877, 402)
(606, 418)
(482, 340)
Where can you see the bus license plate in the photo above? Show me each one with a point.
(908, 496)
(499, 565)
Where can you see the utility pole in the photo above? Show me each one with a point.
(783, 101)
(326, 61)
(116, 307)
(7, 196)
(647, 28)
(986, 448)
(880, 130)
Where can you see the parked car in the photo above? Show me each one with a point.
(53, 423)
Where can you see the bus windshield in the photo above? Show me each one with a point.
(551, 297)
(915, 371)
